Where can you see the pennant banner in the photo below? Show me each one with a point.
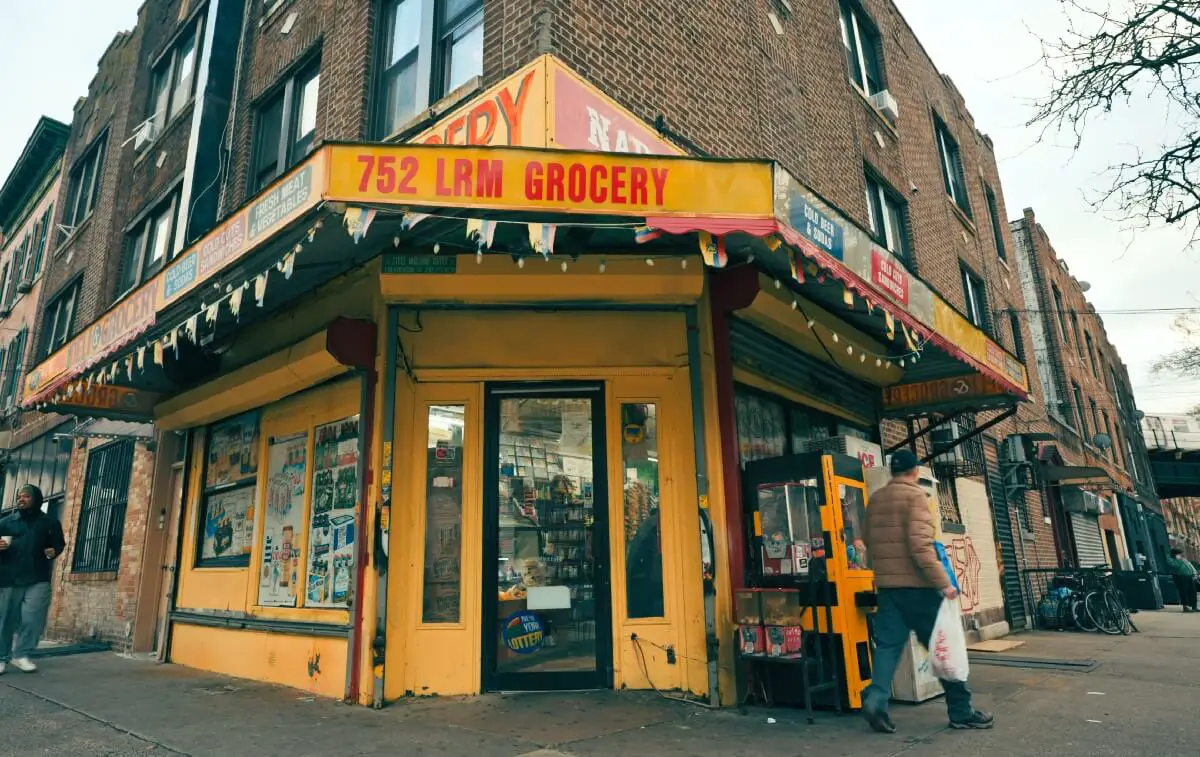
(541, 238)
(712, 249)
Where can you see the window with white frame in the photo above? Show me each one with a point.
(888, 218)
(149, 243)
(952, 166)
(861, 42)
(975, 294)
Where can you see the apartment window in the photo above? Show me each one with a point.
(952, 167)
(1095, 416)
(888, 214)
(20, 261)
(286, 126)
(13, 363)
(1091, 350)
(5, 284)
(401, 47)
(173, 82)
(59, 319)
(861, 41)
(976, 297)
(1060, 312)
(149, 244)
(1077, 393)
(1014, 322)
(83, 184)
(35, 265)
(460, 41)
(1112, 441)
(997, 228)
(102, 512)
(1075, 332)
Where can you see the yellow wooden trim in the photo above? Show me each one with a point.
(298, 367)
(749, 378)
(772, 312)
(496, 280)
(459, 375)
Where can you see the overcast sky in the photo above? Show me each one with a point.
(985, 47)
(988, 50)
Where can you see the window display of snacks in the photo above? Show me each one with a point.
(335, 487)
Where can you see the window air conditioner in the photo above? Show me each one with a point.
(943, 436)
(868, 453)
(885, 103)
(144, 135)
(25, 284)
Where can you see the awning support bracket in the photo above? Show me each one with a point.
(971, 434)
(913, 436)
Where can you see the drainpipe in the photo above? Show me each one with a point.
(696, 385)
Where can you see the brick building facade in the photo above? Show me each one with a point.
(1088, 403)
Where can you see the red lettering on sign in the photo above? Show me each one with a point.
(555, 176)
(513, 108)
(490, 179)
(386, 182)
(408, 169)
(638, 177)
(462, 178)
(368, 164)
(599, 191)
(443, 189)
(618, 185)
(577, 183)
(659, 176)
(482, 119)
(533, 180)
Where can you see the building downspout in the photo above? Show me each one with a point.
(164, 654)
(696, 385)
(383, 510)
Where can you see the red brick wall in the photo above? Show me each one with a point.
(101, 605)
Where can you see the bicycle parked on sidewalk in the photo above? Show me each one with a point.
(1086, 600)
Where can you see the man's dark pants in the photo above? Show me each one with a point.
(901, 611)
(1187, 590)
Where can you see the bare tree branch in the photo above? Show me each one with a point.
(1113, 55)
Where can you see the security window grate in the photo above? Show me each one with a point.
(102, 513)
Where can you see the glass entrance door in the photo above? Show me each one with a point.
(546, 591)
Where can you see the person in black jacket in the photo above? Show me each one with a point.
(29, 542)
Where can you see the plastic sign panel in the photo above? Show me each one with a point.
(940, 392)
(549, 180)
(116, 402)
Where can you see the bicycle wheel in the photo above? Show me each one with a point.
(1099, 611)
(1079, 613)
(1118, 611)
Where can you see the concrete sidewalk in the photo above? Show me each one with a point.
(1142, 699)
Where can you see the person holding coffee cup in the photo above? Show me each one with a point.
(29, 542)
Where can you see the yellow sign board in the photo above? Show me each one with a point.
(940, 391)
(545, 180)
(973, 342)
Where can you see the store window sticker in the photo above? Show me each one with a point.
(523, 632)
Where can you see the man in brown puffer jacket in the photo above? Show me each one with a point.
(911, 584)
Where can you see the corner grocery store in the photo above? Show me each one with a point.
(414, 377)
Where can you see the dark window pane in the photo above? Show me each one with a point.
(850, 43)
(185, 69)
(406, 30)
(400, 91)
(266, 149)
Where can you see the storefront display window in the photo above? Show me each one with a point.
(331, 526)
(283, 521)
(854, 521)
(761, 427)
(643, 534)
(230, 491)
(769, 426)
(443, 515)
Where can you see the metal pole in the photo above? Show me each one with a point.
(180, 527)
(383, 508)
(696, 385)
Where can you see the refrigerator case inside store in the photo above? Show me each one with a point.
(806, 516)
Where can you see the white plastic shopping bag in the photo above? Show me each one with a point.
(948, 644)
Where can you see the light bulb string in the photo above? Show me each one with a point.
(812, 324)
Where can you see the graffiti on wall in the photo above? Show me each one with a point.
(965, 561)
